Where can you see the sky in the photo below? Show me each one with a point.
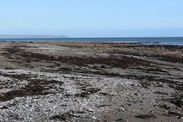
(92, 18)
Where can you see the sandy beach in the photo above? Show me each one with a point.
(90, 82)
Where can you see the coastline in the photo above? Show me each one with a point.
(132, 40)
(77, 81)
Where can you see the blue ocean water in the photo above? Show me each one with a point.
(143, 40)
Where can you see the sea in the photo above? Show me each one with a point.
(140, 40)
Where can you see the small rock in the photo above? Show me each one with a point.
(89, 109)
(3, 107)
(93, 117)
(122, 108)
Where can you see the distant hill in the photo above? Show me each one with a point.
(33, 36)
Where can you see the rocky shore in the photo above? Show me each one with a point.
(90, 82)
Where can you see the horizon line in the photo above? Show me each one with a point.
(65, 36)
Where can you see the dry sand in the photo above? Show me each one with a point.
(90, 82)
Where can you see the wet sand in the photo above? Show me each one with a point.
(93, 82)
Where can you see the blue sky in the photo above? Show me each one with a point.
(92, 18)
